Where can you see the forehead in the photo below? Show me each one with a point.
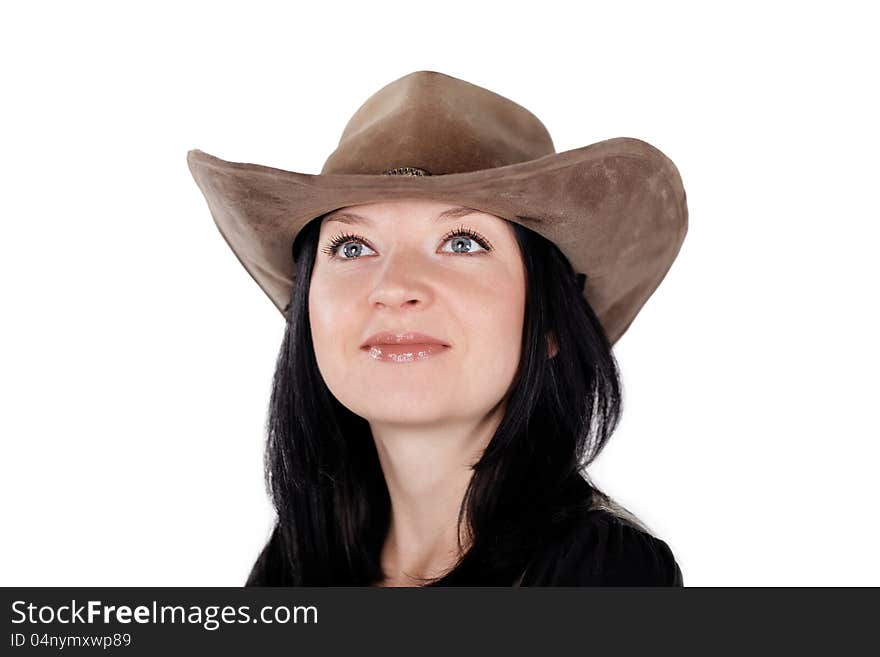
(373, 214)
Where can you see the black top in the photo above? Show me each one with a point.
(577, 544)
(604, 550)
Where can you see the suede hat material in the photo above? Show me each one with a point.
(617, 208)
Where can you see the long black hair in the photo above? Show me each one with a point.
(323, 472)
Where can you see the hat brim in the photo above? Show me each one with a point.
(616, 209)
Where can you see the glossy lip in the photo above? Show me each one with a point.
(403, 346)
(402, 337)
(404, 353)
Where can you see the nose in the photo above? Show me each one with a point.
(402, 282)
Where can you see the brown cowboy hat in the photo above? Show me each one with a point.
(617, 208)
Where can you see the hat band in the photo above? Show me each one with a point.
(406, 171)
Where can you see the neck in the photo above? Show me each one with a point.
(427, 470)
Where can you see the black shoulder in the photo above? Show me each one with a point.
(606, 550)
(630, 556)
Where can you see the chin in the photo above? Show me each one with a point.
(423, 412)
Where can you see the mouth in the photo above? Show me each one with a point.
(404, 353)
(402, 337)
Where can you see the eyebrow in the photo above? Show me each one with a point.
(451, 213)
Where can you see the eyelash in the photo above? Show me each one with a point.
(344, 238)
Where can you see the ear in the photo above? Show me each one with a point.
(552, 347)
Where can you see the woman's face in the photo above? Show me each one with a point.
(408, 274)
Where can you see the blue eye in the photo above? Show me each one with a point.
(339, 240)
(461, 232)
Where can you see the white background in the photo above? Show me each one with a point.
(137, 354)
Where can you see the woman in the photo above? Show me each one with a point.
(444, 380)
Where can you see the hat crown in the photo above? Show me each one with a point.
(429, 123)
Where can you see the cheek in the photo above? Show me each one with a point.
(491, 315)
(331, 321)
(494, 315)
